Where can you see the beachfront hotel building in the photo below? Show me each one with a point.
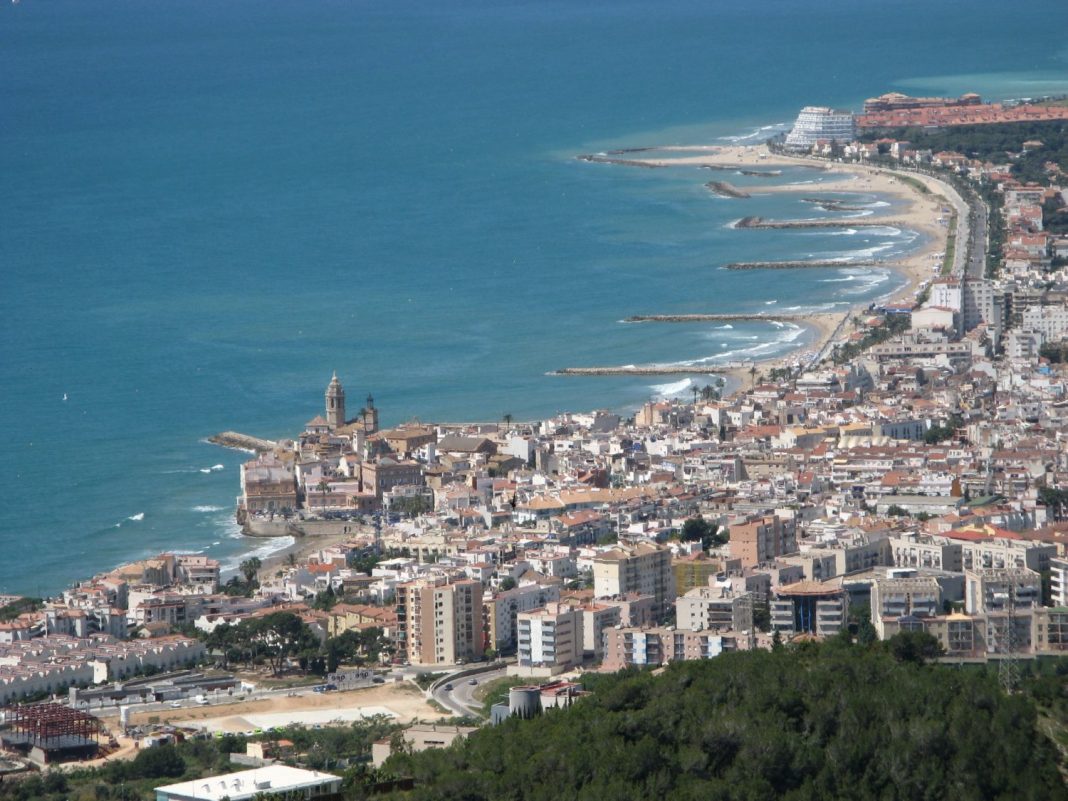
(819, 122)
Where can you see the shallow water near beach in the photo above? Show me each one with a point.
(211, 206)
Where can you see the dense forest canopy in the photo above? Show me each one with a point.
(819, 723)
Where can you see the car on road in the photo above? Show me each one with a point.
(379, 680)
(176, 704)
(448, 688)
(472, 681)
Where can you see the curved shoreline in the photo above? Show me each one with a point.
(924, 195)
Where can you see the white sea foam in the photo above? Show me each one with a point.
(784, 337)
(137, 517)
(273, 545)
(726, 327)
(672, 389)
(770, 302)
(206, 509)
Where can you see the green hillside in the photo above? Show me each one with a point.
(819, 723)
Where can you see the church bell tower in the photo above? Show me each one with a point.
(335, 403)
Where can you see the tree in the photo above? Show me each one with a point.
(914, 646)
(249, 568)
(163, 761)
(507, 583)
(696, 528)
(709, 534)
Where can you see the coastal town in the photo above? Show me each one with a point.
(908, 474)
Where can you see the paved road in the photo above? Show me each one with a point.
(460, 699)
(978, 243)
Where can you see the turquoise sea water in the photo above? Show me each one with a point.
(208, 207)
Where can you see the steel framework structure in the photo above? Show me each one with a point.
(46, 724)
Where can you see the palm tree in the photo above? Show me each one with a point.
(250, 567)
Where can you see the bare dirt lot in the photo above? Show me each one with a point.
(403, 701)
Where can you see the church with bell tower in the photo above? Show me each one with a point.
(335, 403)
(335, 409)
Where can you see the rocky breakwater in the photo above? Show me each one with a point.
(653, 370)
(799, 265)
(715, 318)
(243, 442)
(830, 204)
(724, 189)
(596, 159)
(761, 223)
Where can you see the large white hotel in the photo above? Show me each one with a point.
(818, 122)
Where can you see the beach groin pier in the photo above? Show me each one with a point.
(242, 442)
(625, 162)
(715, 318)
(799, 265)
(831, 204)
(761, 223)
(644, 371)
(724, 189)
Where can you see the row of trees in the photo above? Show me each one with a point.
(280, 638)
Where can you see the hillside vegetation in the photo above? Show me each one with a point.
(816, 723)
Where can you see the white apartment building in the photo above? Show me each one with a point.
(550, 639)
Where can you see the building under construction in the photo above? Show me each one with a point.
(47, 733)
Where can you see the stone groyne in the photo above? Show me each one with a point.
(798, 265)
(625, 162)
(761, 223)
(651, 370)
(242, 442)
(724, 189)
(715, 318)
(830, 204)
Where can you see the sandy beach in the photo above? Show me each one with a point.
(923, 212)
